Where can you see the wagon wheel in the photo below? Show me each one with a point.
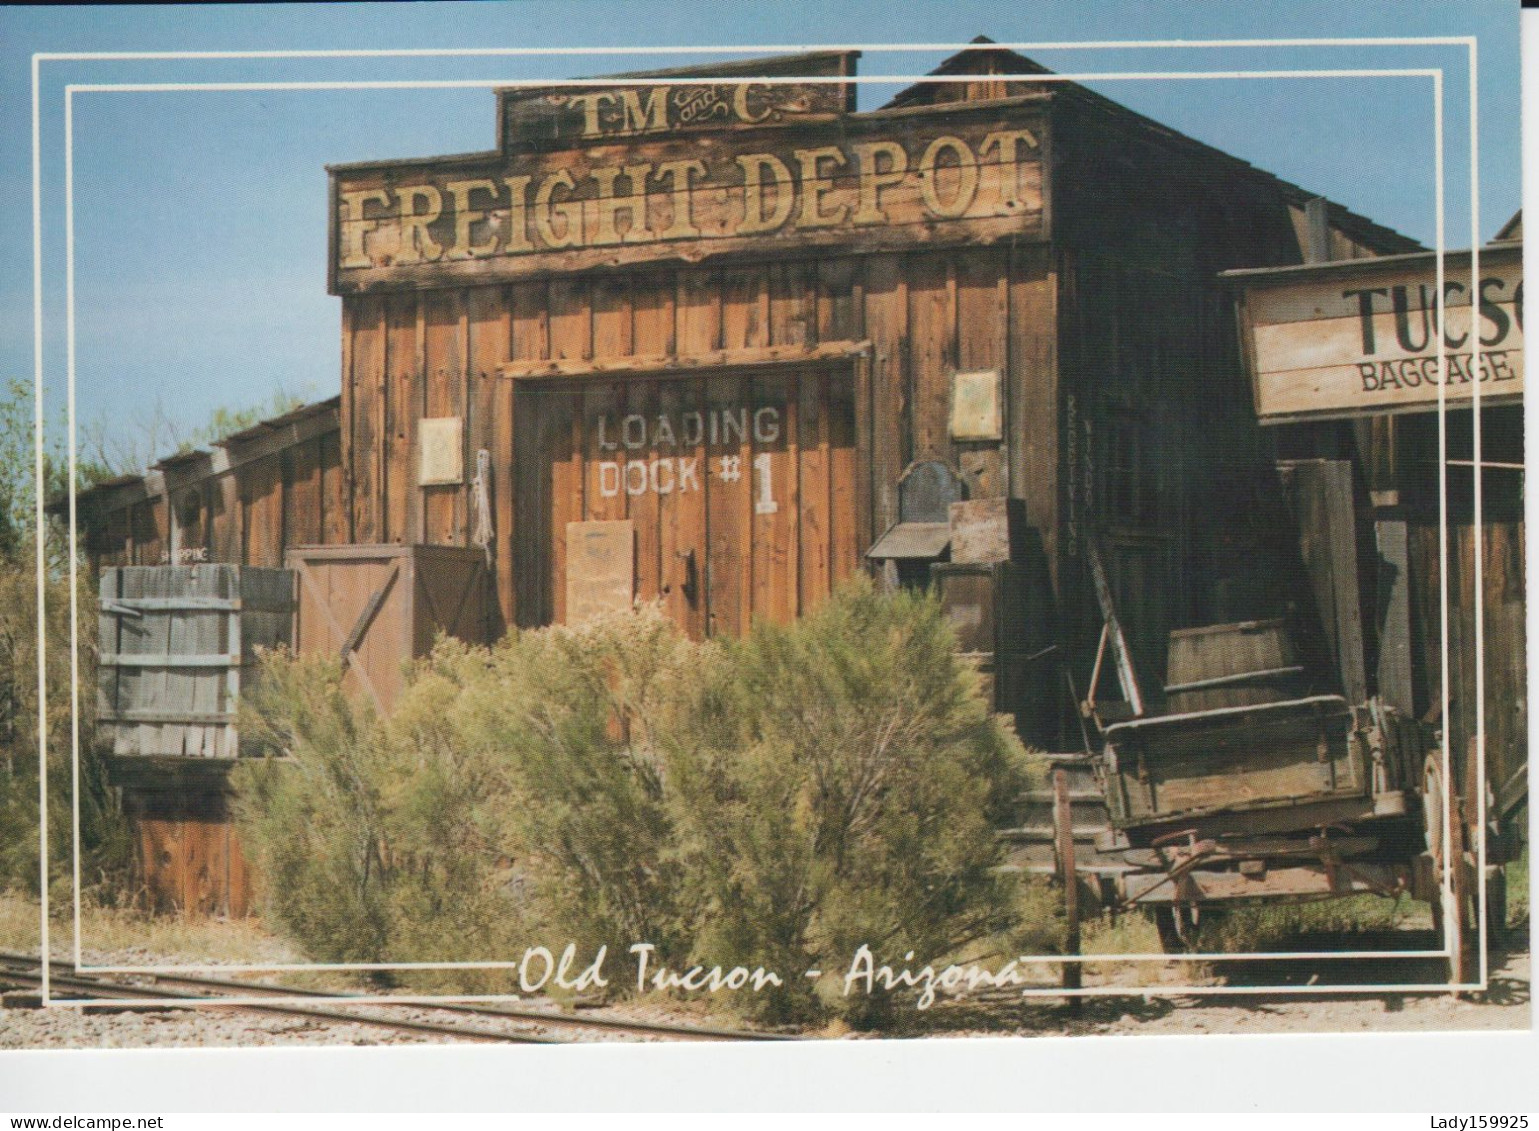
(1459, 933)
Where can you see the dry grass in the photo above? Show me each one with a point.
(126, 937)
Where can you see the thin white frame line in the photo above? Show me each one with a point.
(1436, 77)
(1478, 538)
(328, 1001)
(40, 533)
(1034, 959)
(1445, 887)
(508, 84)
(493, 52)
(1468, 41)
(1435, 74)
(74, 574)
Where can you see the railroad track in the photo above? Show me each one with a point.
(529, 1026)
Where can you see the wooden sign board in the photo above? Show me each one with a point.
(975, 405)
(601, 569)
(442, 455)
(539, 117)
(1345, 340)
(886, 182)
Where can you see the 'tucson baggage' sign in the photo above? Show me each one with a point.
(1364, 337)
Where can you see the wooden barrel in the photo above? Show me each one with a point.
(1231, 665)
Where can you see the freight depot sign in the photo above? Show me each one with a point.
(878, 185)
(1343, 341)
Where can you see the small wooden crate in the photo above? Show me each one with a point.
(1232, 665)
(1001, 622)
(178, 644)
(378, 607)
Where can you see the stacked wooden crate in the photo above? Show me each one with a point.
(179, 645)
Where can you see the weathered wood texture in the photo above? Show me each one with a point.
(1362, 337)
(187, 851)
(1245, 758)
(850, 422)
(881, 181)
(725, 482)
(243, 503)
(178, 646)
(1259, 650)
(1162, 458)
(1501, 546)
(1320, 499)
(377, 607)
(542, 117)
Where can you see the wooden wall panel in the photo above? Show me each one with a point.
(682, 518)
(932, 334)
(443, 331)
(653, 300)
(262, 510)
(745, 305)
(361, 417)
(303, 513)
(724, 478)
(1506, 673)
(491, 428)
(1033, 396)
(841, 318)
(982, 343)
(645, 509)
(334, 505)
(403, 408)
(529, 339)
(814, 491)
(887, 415)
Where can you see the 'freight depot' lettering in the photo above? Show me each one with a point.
(521, 212)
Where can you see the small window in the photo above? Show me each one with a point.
(1130, 475)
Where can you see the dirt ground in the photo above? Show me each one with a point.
(1291, 995)
(1506, 1004)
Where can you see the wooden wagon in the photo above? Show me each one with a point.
(1252, 786)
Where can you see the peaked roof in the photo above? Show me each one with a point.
(987, 60)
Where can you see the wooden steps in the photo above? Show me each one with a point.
(1031, 837)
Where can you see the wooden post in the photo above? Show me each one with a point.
(1394, 675)
(1063, 828)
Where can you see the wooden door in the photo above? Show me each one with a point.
(376, 607)
(739, 488)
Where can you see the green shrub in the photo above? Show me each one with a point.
(104, 840)
(776, 801)
(842, 789)
(313, 825)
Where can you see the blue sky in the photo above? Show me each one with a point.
(200, 220)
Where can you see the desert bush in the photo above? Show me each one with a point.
(775, 801)
(103, 837)
(312, 820)
(843, 788)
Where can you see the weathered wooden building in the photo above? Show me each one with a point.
(734, 313)
(1346, 373)
(715, 338)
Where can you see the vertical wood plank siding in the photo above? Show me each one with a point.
(984, 309)
(250, 515)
